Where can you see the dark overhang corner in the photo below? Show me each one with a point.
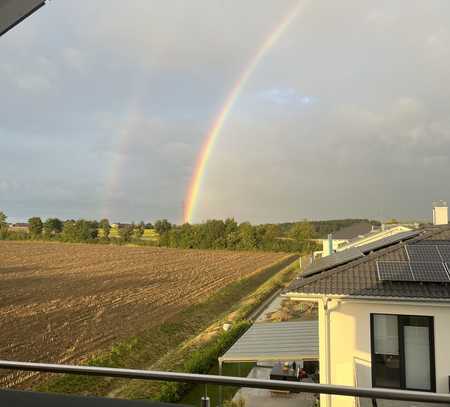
(13, 12)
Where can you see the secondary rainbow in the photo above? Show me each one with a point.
(214, 131)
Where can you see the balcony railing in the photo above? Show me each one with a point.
(371, 393)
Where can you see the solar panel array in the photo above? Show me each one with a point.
(348, 255)
(387, 241)
(437, 272)
(428, 252)
(334, 260)
(444, 251)
(394, 271)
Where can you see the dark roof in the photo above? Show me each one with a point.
(359, 277)
(333, 260)
(352, 231)
(348, 255)
(13, 12)
(16, 398)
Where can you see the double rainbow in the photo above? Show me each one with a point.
(214, 131)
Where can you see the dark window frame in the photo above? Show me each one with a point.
(402, 321)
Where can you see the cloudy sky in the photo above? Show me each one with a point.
(106, 104)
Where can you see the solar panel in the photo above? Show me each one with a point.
(444, 250)
(387, 241)
(434, 242)
(433, 272)
(423, 253)
(394, 271)
(334, 260)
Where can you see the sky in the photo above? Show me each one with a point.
(106, 105)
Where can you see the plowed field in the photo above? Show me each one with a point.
(62, 302)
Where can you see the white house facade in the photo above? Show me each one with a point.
(384, 319)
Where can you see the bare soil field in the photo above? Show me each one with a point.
(63, 302)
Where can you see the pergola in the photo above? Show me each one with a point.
(273, 342)
(276, 341)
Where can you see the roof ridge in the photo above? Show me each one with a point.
(352, 263)
(372, 256)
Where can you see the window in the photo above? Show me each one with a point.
(403, 352)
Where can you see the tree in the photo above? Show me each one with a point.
(149, 225)
(3, 218)
(301, 231)
(53, 226)
(138, 231)
(36, 226)
(247, 238)
(162, 226)
(3, 225)
(80, 230)
(213, 234)
(105, 227)
(126, 233)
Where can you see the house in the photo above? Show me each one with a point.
(384, 316)
(342, 240)
(375, 235)
(119, 225)
(19, 227)
(344, 236)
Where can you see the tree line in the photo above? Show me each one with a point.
(212, 234)
(228, 234)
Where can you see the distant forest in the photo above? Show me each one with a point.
(212, 234)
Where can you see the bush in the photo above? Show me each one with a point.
(201, 361)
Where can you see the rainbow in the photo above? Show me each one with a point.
(214, 131)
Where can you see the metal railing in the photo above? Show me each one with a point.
(371, 393)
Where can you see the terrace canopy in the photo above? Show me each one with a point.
(276, 341)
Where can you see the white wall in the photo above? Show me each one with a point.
(350, 357)
(336, 244)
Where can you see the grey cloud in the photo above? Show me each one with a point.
(347, 115)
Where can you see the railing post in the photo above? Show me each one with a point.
(205, 401)
(220, 386)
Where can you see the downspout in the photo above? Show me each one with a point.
(327, 310)
(330, 244)
(327, 366)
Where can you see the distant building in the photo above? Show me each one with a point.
(344, 236)
(19, 227)
(376, 235)
(120, 225)
(440, 213)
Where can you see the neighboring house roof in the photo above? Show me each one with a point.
(20, 225)
(360, 276)
(120, 225)
(374, 236)
(353, 231)
(352, 253)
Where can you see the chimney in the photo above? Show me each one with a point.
(440, 213)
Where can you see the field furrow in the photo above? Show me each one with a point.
(64, 302)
